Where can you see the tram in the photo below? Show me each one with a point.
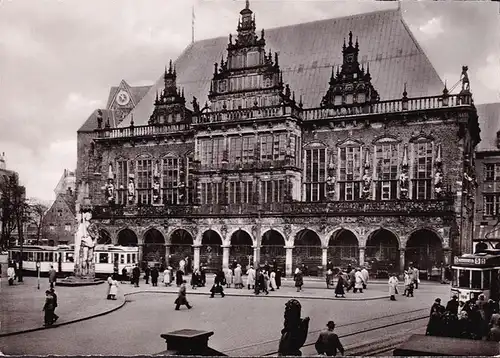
(107, 258)
(475, 274)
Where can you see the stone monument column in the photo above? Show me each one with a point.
(225, 256)
(289, 261)
(196, 258)
(361, 255)
(139, 254)
(401, 260)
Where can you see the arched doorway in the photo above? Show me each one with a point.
(127, 237)
(343, 248)
(382, 253)
(104, 237)
(241, 249)
(273, 248)
(181, 247)
(307, 251)
(211, 251)
(154, 247)
(425, 251)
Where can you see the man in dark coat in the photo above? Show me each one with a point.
(154, 276)
(452, 305)
(278, 278)
(434, 327)
(329, 265)
(48, 308)
(124, 274)
(181, 298)
(52, 276)
(147, 272)
(218, 286)
(178, 278)
(136, 274)
(328, 342)
(53, 293)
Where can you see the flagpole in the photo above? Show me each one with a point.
(192, 24)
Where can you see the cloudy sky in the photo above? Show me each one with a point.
(59, 58)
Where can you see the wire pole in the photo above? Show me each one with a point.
(192, 24)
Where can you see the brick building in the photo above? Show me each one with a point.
(487, 233)
(59, 221)
(342, 145)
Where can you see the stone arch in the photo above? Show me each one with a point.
(424, 249)
(307, 251)
(435, 232)
(382, 252)
(272, 249)
(181, 247)
(232, 232)
(211, 251)
(241, 250)
(127, 237)
(343, 248)
(154, 246)
(104, 237)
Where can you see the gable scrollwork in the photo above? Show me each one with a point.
(349, 142)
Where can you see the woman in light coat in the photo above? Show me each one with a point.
(229, 277)
(251, 278)
(359, 281)
(393, 287)
(113, 288)
(272, 281)
(407, 283)
(238, 279)
(167, 276)
(11, 274)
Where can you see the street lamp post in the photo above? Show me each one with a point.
(38, 274)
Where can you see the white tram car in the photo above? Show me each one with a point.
(107, 258)
(475, 274)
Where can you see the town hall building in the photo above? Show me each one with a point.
(330, 140)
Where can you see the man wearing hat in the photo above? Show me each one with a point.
(328, 342)
(435, 327)
(452, 305)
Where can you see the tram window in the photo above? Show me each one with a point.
(51, 256)
(103, 258)
(133, 258)
(69, 257)
(476, 279)
(30, 256)
(128, 258)
(122, 258)
(486, 280)
(25, 256)
(39, 256)
(464, 279)
(116, 258)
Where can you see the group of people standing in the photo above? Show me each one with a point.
(49, 307)
(353, 278)
(475, 319)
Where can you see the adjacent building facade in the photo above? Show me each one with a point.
(487, 233)
(342, 145)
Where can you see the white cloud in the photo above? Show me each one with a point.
(76, 102)
(432, 28)
(489, 76)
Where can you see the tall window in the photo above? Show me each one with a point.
(122, 181)
(491, 204)
(422, 171)
(492, 172)
(234, 192)
(212, 193)
(247, 191)
(248, 149)
(144, 180)
(235, 150)
(273, 191)
(315, 167)
(266, 147)
(190, 189)
(386, 159)
(211, 151)
(170, 180)
(350, 173)
(279, 146)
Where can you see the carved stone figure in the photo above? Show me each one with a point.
(465, 78)
(156, 191)
(131, 189)
(294, 332)
(403, 184)
(85, 241)
(438, 183)
(110, 191)
(367, 183)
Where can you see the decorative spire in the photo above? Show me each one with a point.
(350, 38)
(300, 102)
(405, 94)
(276, 63)
(357, 43)
(247, 4)
(132, 120)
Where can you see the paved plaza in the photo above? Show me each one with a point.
(240, 319)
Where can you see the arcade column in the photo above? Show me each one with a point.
(324, 257)
(361, 255)
(140, 252)
(167, 255)
(196, 258)
(288, 262)
(401, 260)
(256, 257)
(225, 256)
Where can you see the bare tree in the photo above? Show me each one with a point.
(36, 214)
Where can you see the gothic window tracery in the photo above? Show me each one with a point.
(315, 172)
(387, 163)
(349, 172)
(122, 181)
(144, 180)
(422, 169)
(272, 191)
(170, 180)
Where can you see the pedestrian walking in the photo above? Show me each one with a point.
(110, 281)
(113, 290)
(366, 276)
(203, 276)
(218, 286)
(265, 282)
(328, 342)
(48, 308)
(52, 276)
(238, 279)
(251, 278)
(359, 281)
(272, 281)
(136, 274)
(278, 278)
(11, 275)
(154, 276)
(229, 277)
(195, 280)
(167, 276)
(434, 327)
(147, 272)
(299, 279)
(339, 289)
(124, 274)
(393, 287)
(181, 298)
(416, 275)
(54, 295)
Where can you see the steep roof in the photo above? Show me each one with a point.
(69, 200)
(307, 52)
(91, 123)
(489, 122)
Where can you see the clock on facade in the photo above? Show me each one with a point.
(122, 98)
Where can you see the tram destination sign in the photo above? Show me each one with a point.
(470, 260)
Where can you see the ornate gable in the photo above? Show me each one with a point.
(348, 142)
(122, 101)
(351, 86)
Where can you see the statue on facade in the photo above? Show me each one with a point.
(131, 189)
(294, 332)
(367, 184)
(438, 183)
(330, 181)
(85, 240)
(404, 179)
(465, 79)
(156, 184)
(109, 188)
(196, 106)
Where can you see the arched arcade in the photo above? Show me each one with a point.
(211, 251)
(273, 248)
(343, 248)
(307, 250)
(382, 252)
